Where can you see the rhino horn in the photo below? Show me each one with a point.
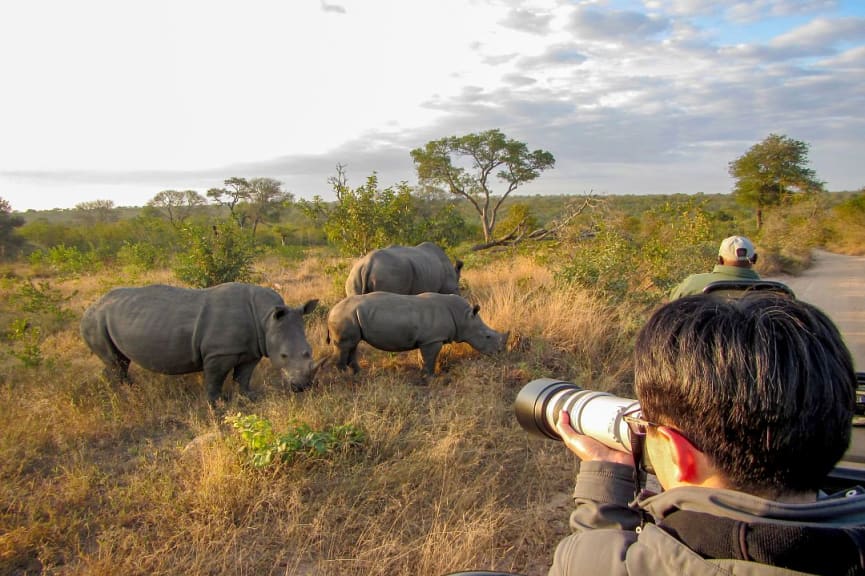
(318, 364)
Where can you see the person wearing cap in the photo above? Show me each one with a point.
(736, 258)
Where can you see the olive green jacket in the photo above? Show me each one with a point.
(607, 538)
(695, 283)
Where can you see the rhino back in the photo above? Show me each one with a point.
(403, 270)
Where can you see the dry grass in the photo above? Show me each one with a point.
(146, 479)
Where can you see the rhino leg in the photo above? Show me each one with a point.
(243, 374)
(348, 357)
(429, 353)
(352, 360)
(117, 370)
(215, 372)
(116, 363)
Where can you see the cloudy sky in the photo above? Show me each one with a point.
(120, 100)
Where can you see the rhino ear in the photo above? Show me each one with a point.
(309, 306)
(458, 266)
(475, 309)
(279, 312)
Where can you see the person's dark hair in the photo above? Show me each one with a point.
(763, 385)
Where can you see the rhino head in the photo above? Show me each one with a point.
(480, 336)
(287, 346)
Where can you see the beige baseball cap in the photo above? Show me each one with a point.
(736, 248)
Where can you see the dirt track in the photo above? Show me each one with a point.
(836, 284)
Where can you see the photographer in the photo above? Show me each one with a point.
(746, 407)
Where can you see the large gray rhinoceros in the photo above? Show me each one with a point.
(399, 322)
(174, 330)
(405, 270)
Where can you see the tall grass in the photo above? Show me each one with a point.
(147, 479)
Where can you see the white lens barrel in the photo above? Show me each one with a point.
(597, 414)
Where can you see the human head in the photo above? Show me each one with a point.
(762, 385)
(737, 251)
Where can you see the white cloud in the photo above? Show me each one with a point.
(134, 99)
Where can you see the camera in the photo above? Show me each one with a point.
(593, 413)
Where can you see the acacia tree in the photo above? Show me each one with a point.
(488, 154)
(236, 190)
(770, 172)
(177, 205)
(96, 212)
(265, 197)
(254, 201)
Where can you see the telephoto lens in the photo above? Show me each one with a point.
(593, 413)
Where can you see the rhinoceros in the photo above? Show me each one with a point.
(400, 322)
(174, 330)
(405, 270)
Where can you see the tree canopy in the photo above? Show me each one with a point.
(488, 155)
(177, 205)
(251, 201)
(771, 171)
(96, 212)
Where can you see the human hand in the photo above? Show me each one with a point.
(587, 448)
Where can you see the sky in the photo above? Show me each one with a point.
(107, 100)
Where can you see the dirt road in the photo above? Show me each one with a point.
(836, 284)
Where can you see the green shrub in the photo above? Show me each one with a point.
(846, 226)
(65, 260)
(140, 255)
(789, 233)
(43, 299)
(641, 261)
(25, 340)
(602, 263)
(224, 253)
(263, 447)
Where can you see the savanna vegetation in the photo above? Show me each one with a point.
(377, 474)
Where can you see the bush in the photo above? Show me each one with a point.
(224, 253)
(846, 227)
(602, 264)
(65, 260)
(643, 264)
(140, 255)
(788, 235)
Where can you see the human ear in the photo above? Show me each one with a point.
(687, 462)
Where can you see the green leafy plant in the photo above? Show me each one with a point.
(26, 340)
(264, 447)
(223, 253)
(65, 260)
(140, 255)
(42, 298)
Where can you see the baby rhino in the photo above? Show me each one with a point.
(398, 322)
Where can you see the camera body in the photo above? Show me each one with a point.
(593, 413)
